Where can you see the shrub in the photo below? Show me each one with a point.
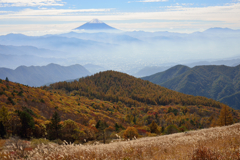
(171, 129)
(70, 131)
(36, 142)
(121, 133)
(205, 153)
(58, 141)
(182, 129)
(151, 134)
(130, 133)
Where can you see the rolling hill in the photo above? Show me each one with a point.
(38, 76)
(216, 82)
(115, 86)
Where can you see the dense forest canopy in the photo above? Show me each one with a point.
(115, 86)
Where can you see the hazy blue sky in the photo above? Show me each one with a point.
(36, 17)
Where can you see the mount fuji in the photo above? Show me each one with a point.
(95, 24)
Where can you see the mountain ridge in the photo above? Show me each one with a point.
(214, 82)
(40, 75)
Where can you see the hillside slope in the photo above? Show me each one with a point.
(214, 82)
(232, 100)
(193, 145)
(123, 101)
(172, 72)
(115, 86)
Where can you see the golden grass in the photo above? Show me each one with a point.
(220, 143)
(2, 143)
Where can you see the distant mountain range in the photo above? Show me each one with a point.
(121, 51)
(221, 83)
(38, 76)
(94, 68)
(52, 42)
(150, 70)
(105, 37)
(15, 56)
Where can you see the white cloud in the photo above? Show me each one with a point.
(52, 12)
(154, 1)
(187, 4)
(32, 3)
(228, 13)
(145, 1)
(5, 12)
(171, 17)
(37, 30)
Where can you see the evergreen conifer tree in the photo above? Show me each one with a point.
(7, 80)
(55, 126)
(101, 126)
(4, 121)
(27, 122)
(154, 127)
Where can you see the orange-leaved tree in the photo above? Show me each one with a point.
(225, 117)
(130, 133)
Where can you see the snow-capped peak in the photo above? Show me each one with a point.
(95, 21)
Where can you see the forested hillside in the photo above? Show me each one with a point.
(100, 106)
(216, 82)
(115, 86)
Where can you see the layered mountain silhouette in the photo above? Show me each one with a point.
(95, 24)
(150, 70)
(38, 76)
(221, 83)
(123, 51)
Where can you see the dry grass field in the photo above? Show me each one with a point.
(219, 143)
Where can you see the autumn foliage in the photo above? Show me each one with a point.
(225, 117)
(71, 110)
(130, 133)
(115, 86)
